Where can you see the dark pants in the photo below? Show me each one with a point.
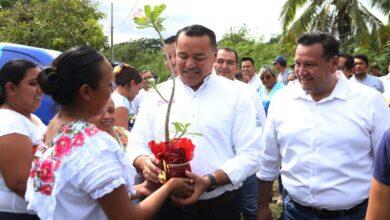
(248, 198)
(17, 216)
(230, 210)
(292, 210)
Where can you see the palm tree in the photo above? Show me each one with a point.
(346, 19)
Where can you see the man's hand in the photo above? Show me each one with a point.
(149, 167)
(265, 189)
(201, 184)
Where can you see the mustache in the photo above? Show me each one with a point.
(195, 70)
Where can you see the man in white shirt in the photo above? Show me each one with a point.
(228, 150)
(326, 145)
(248, 66)
(226, 66)
(386, 84)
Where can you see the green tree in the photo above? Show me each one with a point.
(54, 24)
(344, 18)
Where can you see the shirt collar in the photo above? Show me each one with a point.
(340, 91)
(206, 81)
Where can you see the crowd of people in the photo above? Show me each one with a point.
(321, 129)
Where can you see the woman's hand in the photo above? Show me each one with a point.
(180, 187)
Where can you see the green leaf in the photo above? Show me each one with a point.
(148, 11)
(177, 126)
(140, 20)
(157, 10)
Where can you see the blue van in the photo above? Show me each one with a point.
(42, 57)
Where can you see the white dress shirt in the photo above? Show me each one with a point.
(386, 86)
(260, 113)
(255, 82)
(220, 112)
(326, 148)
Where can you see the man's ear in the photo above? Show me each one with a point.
(85, 92)
(334, 63)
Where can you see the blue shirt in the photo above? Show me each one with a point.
(266, 96)
(382, 160)
(371, 81)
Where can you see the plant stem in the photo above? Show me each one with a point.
(165, 52)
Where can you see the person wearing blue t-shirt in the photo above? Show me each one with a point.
(269, 85)
(378, 205)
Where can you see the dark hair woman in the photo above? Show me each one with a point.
(128, 81)
(21, 132)
(83, 173)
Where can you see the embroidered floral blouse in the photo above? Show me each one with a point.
(121, 135)
(80, 165)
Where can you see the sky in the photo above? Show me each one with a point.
(260, 16)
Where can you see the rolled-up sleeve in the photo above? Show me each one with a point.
(246, 142)
(270, 157)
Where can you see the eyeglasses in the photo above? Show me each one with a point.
(267, 77)
(307, 66)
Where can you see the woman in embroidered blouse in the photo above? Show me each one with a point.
(105, 122)
(270, 85)
(20, 133)
(128, 81)
(83, 173)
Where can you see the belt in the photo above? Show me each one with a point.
(208, 204)
(324, 213)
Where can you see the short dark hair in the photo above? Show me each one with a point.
(170, 40)
(248, 59)
(125, 73)
(362, 57)
(197, 30)
(328, 42)
(13, 71)
(231, 51)
(349, 63)
(73, 68)
(376, 66)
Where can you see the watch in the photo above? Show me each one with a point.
(213, 183)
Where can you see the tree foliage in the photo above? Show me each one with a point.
(54, 24)
(345, 19)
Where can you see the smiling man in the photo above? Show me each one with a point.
(327, 149)
(228, 150)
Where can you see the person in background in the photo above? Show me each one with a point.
(170, 43)
(386, 84)
(376, 70)
(128, 82)
(346, 64)
(361, 74)
(148, 79)
(105, 121)
(280, 65)
(242, 76)
(83, 173)
(226, 65)
(248, 66)
(270, 85)
(21, 133)
(378, 204)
